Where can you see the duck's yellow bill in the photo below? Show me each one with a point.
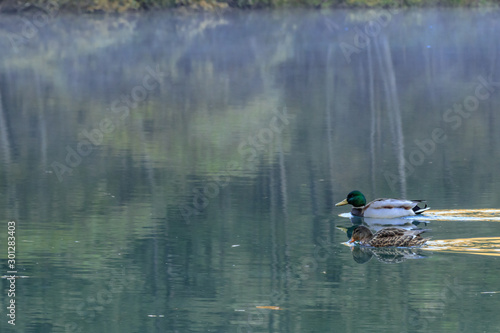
(343, 202)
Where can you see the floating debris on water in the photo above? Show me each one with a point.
(269, 307)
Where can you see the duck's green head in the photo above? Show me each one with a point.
(355, 198)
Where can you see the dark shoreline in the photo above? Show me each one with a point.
(114, 6)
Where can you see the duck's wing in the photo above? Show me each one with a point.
(390, 233)
(385, 203)
(397, 237)
(396, 207)
(397, 232)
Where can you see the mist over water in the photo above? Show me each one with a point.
(178, 172)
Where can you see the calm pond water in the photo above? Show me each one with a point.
(178, 172)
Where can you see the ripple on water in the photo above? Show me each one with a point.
(492, 215)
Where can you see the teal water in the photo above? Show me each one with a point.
(178, 172)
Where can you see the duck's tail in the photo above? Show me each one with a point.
(417, 210)
(421, 241)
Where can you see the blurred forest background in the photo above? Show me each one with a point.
(225, 77)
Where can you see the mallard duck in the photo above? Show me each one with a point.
(382, 208)
(387, 237)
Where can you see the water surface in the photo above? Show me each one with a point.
(175, 173)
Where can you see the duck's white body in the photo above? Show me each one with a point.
(389, 208)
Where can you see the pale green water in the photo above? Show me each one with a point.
(174, 173)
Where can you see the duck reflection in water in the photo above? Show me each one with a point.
(376, 225)
(388, 255)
